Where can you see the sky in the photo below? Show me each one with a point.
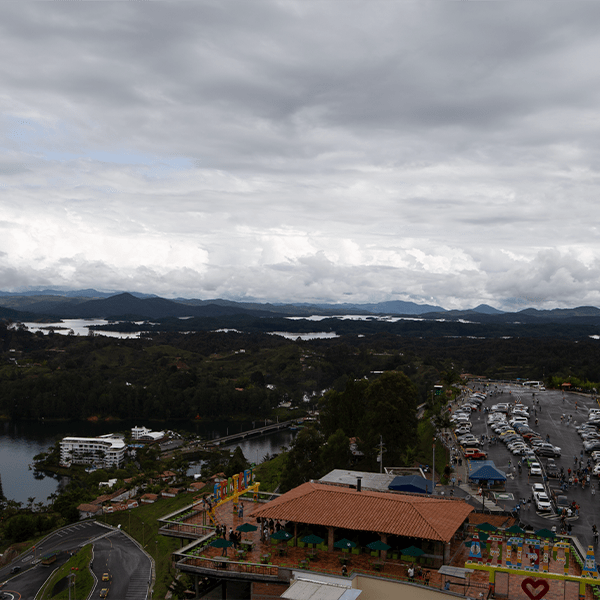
(440, 152)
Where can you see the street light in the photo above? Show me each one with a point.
(433, 470)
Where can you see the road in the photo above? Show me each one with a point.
(552, 404)
(129, 565)
(128, 568)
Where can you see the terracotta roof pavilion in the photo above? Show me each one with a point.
(417, 516)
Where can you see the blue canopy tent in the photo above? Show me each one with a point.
(485, 470)
(411, 483)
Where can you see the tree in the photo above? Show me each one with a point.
(303, 461)
(367, 410)
(237, 463)
(335, 454)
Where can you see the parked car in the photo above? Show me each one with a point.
(535, 468)
(475, 454)
(591, 445)
(562, 503)
(548, 450)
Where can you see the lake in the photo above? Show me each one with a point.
(21, 441)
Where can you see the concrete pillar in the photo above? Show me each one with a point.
(196, 586)
(330, 539)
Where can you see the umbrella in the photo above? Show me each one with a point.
(545, 533)
(281, 535)
(378, 545)
(221, 543)
(246, 527)
(344, 543)
(486, 527)
(412, 551)
(515, 529)
(312, 539)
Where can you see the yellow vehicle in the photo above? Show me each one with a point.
(106, 577)
(103, 592)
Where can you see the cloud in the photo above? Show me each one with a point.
(441, 152)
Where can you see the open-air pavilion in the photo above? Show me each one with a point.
(398, 520)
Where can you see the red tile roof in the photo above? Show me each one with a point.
(398, 514)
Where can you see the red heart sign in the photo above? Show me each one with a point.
(530, 586)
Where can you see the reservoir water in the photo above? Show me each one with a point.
(21, 441)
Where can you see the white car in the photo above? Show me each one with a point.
(542, 501)
(535, 468)
(596, 455)
(538, 487)
(596, 469)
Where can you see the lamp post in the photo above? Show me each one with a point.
(433, 469)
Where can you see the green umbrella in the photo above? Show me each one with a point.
(312, 539)
(281, 535)
(485, 527)
(246, 527)
(344, 543)
(378, 545)
(515, 529)
(545, 533)
(412, 551)
(221, 543)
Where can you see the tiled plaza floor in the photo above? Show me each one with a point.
(280, 555)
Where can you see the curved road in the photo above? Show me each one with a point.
(129, 567)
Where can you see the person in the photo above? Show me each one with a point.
(447, 586)
(344, 571)
(411, 573)
(241, 511)
(426, 577)
(593, 490)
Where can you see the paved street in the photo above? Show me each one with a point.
(552, 405)
(114, 552)
(129, 569)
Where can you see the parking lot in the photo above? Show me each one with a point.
(552, 405)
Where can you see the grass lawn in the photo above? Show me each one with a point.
(269, 473)
(78, 564)
(141, 523)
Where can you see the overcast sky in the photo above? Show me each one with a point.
(439, 152)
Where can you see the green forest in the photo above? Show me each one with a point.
(233, 375)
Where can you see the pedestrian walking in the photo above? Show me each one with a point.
(593, 490)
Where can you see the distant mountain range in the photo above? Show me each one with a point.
(88, 304)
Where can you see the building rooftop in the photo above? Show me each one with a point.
(425, 517)
(369, 481)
